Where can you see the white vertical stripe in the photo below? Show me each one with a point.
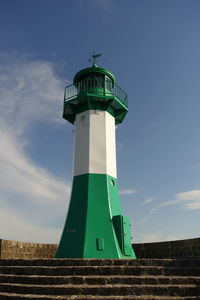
(111, 145)
(81, 151)
(95, 148)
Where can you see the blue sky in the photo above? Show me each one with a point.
(153, 48)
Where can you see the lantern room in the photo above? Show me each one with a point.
(95, 88)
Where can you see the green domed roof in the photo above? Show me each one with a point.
(92, 70)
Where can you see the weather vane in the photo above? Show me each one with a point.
(94, 57)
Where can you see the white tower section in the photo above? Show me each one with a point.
(95, 143)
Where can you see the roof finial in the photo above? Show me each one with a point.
(94, 56)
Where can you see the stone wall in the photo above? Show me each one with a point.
(14, 249)
(173, 249)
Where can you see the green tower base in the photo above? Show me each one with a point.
(95, 227)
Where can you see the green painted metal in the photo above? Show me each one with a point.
(123, 233)
(94, 70)
(127, 236)
(95, 227)
(95, 93)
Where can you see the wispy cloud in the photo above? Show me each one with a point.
(189, 200)
(151, 237)
(21, 178)
(153, 126)
(147, 216)
(29, 91)
(17, 227)
(128, 192)
(156, 237)
(31, 198)
(147, 201)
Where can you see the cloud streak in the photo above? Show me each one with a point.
(147, 201)
(153, 126)
(127, 192)
(29, 91)
(189, 200)
(32, 199)
(156, 237)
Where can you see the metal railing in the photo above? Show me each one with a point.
(70, 92)
(95, 86)
(120, 94)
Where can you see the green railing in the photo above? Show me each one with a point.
(97, 87)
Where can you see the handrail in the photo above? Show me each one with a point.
(70, 92)
(120, 94)
(95, 86)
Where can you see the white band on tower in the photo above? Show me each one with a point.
(95, 146)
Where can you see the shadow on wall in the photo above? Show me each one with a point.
(189, 248)
(173, 249)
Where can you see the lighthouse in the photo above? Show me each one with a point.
(95, 226)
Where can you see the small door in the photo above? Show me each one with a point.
(123, 233)
(127, 237)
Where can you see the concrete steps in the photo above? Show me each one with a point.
(100, 279)
(89, 297)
